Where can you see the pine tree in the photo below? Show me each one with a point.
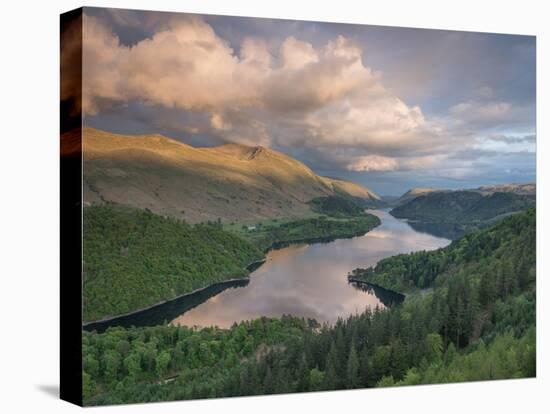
(332, 377)
(352, 369)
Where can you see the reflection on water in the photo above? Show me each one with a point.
(446, 230)
(387, 297)
(161, 314)
(310, 280)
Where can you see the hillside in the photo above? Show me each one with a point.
(361, 196)
(528, 189)
(413, 193)
(134, 259)
(504, 250)
(476, 322)
(232, 181)
(467, 209)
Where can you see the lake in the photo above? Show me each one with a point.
(304, 280)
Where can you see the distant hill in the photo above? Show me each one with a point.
(232, 181)
(348, 188)
(528, 189)
(413, 193)
(467, 208)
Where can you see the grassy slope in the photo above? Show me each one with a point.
(233, 182)
(133, 259)
(414, 193)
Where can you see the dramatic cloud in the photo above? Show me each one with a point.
(322, 96)
(319, 100)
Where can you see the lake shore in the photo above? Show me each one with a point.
(250, 268)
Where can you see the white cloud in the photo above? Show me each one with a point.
(292, 95)
(323, 96)
(373, 163)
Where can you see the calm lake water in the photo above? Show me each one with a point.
(308, 281)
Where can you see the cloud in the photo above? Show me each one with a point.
(473, 111)
(488, 114)
(321, 98)
(514, 139)
(373, 163)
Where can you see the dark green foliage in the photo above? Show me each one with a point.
(505, 357)
(134, 258)
(201, 362)
(451, 333)
(336, 206)
(402, 345)
(498, 260)
(313, 230)
(467, 208)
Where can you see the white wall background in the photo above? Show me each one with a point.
(29, 193)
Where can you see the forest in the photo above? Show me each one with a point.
(309, 230)
(134, 258)
(494, 261)
(461, 207)
(336, 206)
(469, 315)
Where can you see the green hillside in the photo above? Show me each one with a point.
(503, 256)
(466, 209)
(336, 206)
(134, 258)
(475, 320)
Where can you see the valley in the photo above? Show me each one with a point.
(237, 270)
(455, 213)
(474, 324)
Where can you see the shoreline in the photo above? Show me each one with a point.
(251, 267)
(123, 315)
(374, 285)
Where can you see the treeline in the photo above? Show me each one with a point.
(310, 230)
(403, 345)
(496, 261)
(454, 332)
(134, 258)
(336, 206)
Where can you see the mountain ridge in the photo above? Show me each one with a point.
(233, 182)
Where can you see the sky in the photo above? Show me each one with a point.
(390, 108)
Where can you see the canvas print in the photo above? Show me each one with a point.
(274, 206)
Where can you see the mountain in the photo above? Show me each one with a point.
(463, 210)
(413, 193)
(231, 181)
(528, 189)
(351, 189)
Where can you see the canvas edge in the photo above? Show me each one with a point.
(71, 380)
